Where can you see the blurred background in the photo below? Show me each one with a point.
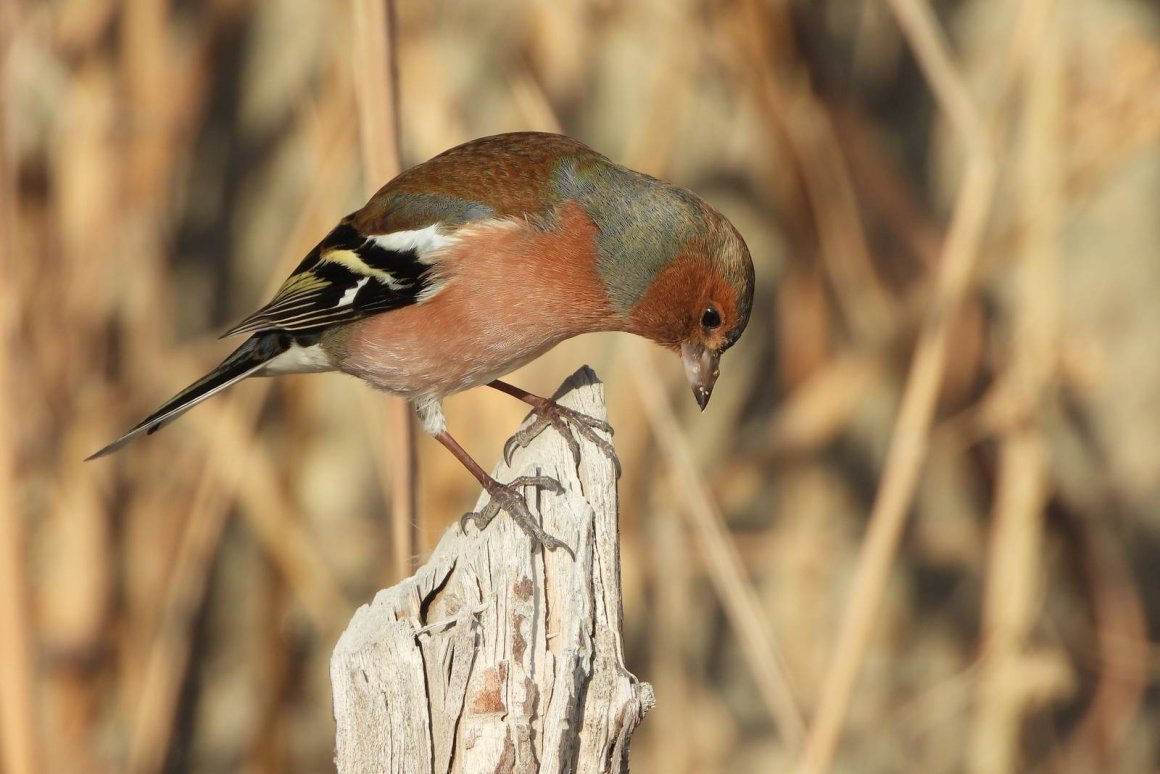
(937, 443)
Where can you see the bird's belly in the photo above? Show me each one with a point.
(411, 353)
(436, 372)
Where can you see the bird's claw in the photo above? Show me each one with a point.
(568, 423)
(540, 482)
(507, 497)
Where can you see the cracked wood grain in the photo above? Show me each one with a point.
(496, 656)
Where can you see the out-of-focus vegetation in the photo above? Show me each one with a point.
(165, 164)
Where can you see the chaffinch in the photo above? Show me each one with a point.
(470, 265)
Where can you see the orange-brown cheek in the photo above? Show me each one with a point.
(666, 313)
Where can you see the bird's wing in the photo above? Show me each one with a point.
(364, 266)
(350, 275)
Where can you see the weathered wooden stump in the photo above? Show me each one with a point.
(497, 656)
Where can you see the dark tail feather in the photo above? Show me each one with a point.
(245, 361)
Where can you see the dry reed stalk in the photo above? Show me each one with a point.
(1008, 684)
(826, 190)
(905, 455)
(151, 725)
(74, 602)
(1124, 661)
(726, 571)
(1007, 688)
(901, 471)
(377, 100)
(20, 731)
(147, 70)
(76, 593)
(273, 650)
(925, 37)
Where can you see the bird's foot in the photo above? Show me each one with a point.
(508, 497)
(569, 423)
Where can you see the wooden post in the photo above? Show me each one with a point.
(497, 656)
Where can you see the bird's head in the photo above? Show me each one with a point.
(699, 300)
(676, 271)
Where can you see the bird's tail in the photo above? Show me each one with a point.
(245, 361)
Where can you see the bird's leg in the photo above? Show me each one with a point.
(505, 497)
(567, 422)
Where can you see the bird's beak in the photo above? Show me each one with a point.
(701, 369)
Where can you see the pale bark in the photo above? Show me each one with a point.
(497, 656)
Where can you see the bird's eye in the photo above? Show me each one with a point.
(711, 318)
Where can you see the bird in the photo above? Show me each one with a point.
(469, 265)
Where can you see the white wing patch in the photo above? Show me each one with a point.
(426, 242)
(348, 297)
(430, 243)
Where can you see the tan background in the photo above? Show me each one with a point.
(166, 164)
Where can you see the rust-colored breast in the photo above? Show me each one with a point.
(512, 292)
